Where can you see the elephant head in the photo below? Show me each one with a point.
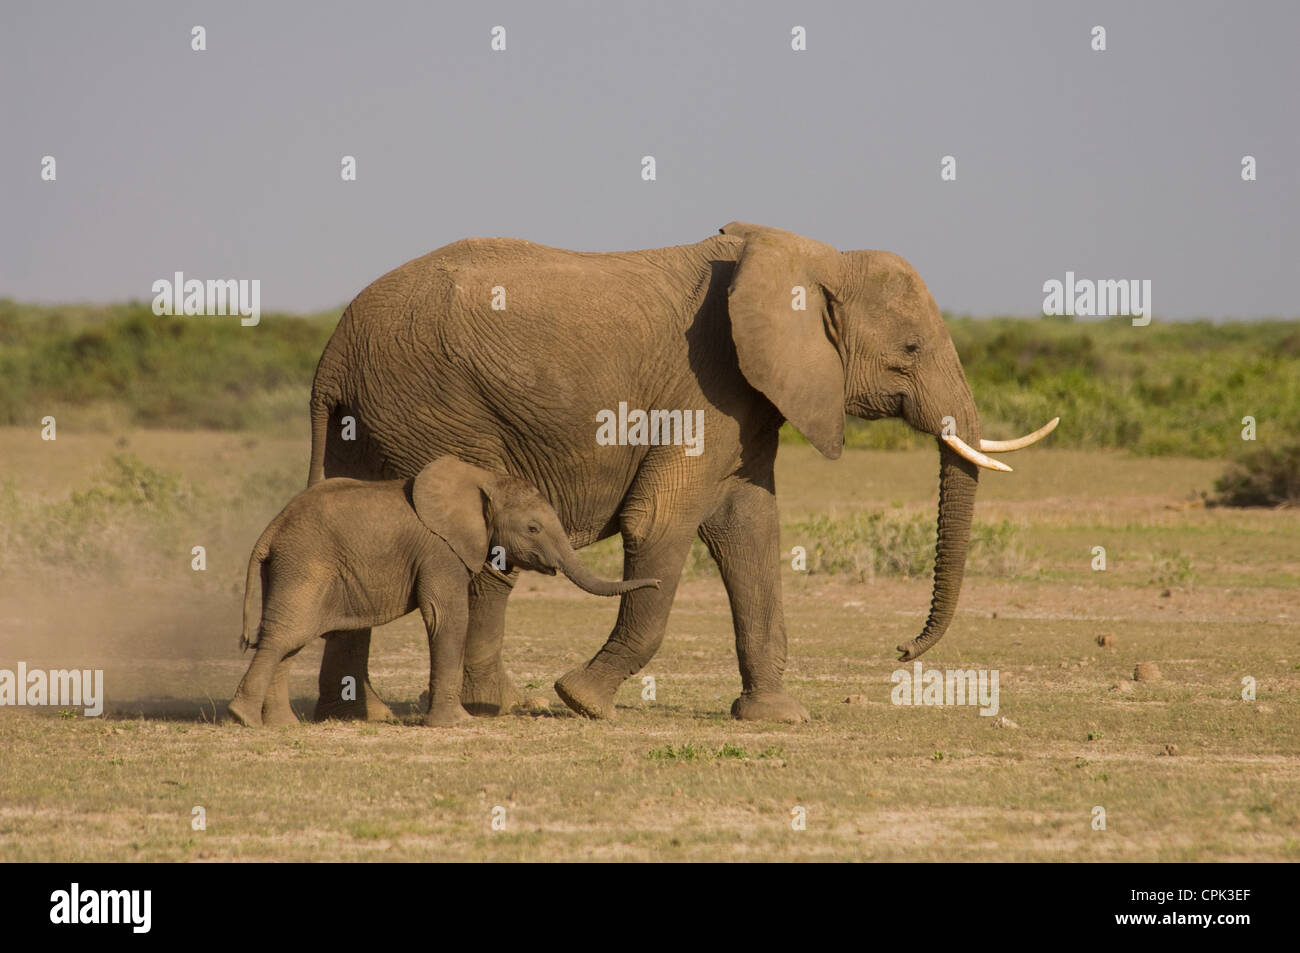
(868, 340)
(475, 510)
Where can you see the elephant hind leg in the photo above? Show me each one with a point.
(277, 643)
(347, 651)
(276, 710)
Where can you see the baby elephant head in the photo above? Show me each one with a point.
(476, 510)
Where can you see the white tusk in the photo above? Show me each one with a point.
(973, 455)
(1006, 446)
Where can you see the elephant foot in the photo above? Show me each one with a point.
(447, 714)
(585, 693)
(276, 710)
(241, 712)
(488, 692)
(278, 716)
(369, 707)
(768, 706)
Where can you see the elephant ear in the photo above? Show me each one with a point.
(786, 353)
(450, 498)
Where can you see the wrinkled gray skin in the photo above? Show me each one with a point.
(349, 553)
(425, 366)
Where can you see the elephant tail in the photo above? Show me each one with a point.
(320, 421)
(327, 386)
(252, 622)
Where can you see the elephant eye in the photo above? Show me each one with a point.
(911, 347)
(534, 528)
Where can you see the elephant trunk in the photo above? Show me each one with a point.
(958, 479)
(588, 581)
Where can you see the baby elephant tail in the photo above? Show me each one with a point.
(252, 621)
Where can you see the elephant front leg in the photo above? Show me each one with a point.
(446, 631)
(642, 619)
(344, 684)
(743, 536)
(487, 689)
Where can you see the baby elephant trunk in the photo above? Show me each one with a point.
(588, 581)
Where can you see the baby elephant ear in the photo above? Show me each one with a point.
(449, 497)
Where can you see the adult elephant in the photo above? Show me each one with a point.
(504, 353)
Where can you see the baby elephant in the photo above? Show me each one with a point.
(349, 554)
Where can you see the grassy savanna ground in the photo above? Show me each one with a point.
(1207, 594)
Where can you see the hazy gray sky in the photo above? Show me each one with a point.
(226, 163)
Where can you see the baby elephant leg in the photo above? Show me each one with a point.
(276, 643)
(276, 710)
(446, 628)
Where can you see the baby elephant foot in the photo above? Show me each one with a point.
(241, 712)
(585, 693)
(446, 714)
(768, 706)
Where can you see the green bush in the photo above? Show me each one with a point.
(99, 527)
(1177, 389)
(1168, 388)
(178, 372)
(870, 544)
(1267, 476)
